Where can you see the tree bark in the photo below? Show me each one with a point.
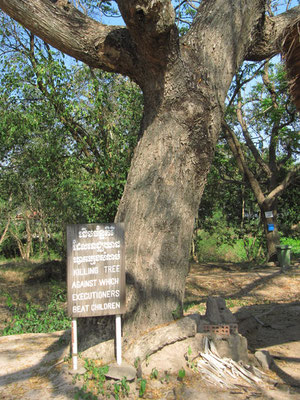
(272, 236)
(185, 82)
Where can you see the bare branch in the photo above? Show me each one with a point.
(249, 141)
(235, 147)
(240, 83)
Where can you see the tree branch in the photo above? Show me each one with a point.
(249, 141)
(155, 18)
(276, 122)
(283, 185)
(79, 134)
(72, 32)
(152, 27)
(235, 147)
(2, 237)
(268, 42)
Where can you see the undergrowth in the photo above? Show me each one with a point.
(95, 384)
(34, 319)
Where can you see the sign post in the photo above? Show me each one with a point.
(118, 340)
(95, 276)
(74, 344)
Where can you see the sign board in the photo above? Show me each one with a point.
(95, 270)
(269, 214)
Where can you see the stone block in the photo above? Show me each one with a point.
(231, 346)
(264, 358)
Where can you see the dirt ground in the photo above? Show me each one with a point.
(265, 301)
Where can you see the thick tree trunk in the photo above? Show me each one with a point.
(182, 119)
(159, 207)
(160, 203)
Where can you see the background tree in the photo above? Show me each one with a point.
(263, 135)
(184, 82)
(68, 134)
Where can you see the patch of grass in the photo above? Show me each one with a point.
(232, 303)
(209, 249)
(95, 383)
(34, 319)
(197, 307)
(295, 243)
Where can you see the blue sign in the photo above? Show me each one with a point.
(270, 227)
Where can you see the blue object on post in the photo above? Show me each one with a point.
(270, 227)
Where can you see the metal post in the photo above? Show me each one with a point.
(74, 344)
(118, 340)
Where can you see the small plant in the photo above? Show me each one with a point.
(181, 374)
(95, 382)
(189, 361)
(143, 384)
(125, 388)
(154, 373)
(96, 373)
(9, 302)
(117, 390)
(165, 378)
(137, 362)
(121, 387)
(83, 394)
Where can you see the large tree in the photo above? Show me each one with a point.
(184, 82)
(67, 136)
(263, 135)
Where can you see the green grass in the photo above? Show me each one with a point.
(295, 243)
(208, 248)
(36, 319)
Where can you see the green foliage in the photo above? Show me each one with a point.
(294, 243)
(264, 121)
(95, 383)
(190, 362)
(95, 373)
(36, 320)
(181, 374)
(154, 373)
(143, 384)
(137, 362)
(219, 240)
(122, 388)
(67, 137)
